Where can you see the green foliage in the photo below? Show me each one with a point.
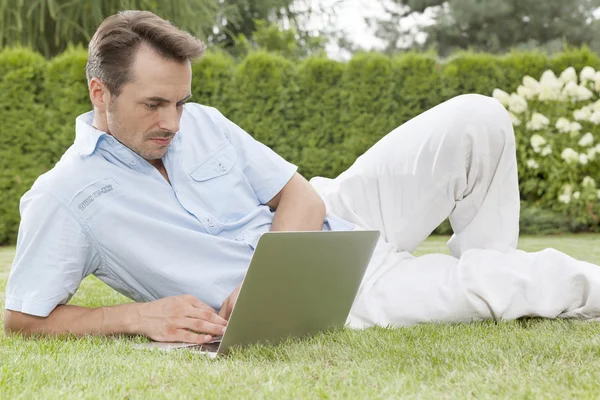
(473, 73)
(287, 43)
(320, 133)
(516, 65)
(418, 84)
(494, 26)
(263, 100)
(23, 139)
(557, 129)
(211, 80)
(368, 104)
(573, 57)
(66, 96)
(49, 26)
(319, 113)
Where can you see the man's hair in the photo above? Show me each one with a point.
(113, 47)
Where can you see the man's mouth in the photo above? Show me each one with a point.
(162, 141)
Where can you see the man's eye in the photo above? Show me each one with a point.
(151, 106)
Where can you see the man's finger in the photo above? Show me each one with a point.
(198, 304)
(183, 335)
(206, 315)
(198, 325)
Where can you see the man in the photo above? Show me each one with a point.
(165, 201)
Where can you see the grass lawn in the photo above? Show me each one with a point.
(521, 359)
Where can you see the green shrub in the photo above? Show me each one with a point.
(23, 139)
(557, 129)
(320, 132)
(418, 85)
(66, 97)
(319, 113)
(262, 100)
(211, 81)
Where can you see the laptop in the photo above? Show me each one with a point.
(297, 284)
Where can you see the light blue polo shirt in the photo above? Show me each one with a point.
(106, 211)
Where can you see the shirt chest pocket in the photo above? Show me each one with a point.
(219, 185)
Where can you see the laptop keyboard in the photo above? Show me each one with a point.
(211, 347)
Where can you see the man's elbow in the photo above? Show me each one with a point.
(15, 323)
(319, 206)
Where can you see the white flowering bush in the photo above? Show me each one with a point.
(557, 127)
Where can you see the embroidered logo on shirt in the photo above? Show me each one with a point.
(88, 200)
(92, 199)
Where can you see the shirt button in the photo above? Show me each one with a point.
(110, 140)
(239, 239)
(132, 162)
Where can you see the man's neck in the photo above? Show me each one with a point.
(99, 123)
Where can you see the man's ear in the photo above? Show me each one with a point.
(99, 94)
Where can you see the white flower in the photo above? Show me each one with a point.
(595, 118)
(531, 83)
(546, 151)
(548, 77)
(570, 89)
(563, 125)
(550, 86)
(587, 74)
(549, 93)
(598, 148)
(570, 155)
(564, 198)
(538, 122)
(583, 159)
(598, 194)
(537, 141)
(526, 92)
(569, 75)
(532, 164)
(517, 104)
(515, 120)
(583, 93)
(592, 154)
(597, 81)
(595, 106)
(588, 181)
(577, 93)
(501, 96)
(586, 140)
(575, 127)
(583, 114)
(576, 195)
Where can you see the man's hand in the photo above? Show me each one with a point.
(172, 319)
(227, 307)
(180, 319)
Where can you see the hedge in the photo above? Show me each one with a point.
(319, 113)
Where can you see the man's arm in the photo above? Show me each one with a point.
(298, 207)
(172, 319)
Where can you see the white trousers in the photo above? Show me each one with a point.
(458, 160)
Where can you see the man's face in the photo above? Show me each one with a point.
(145, 116)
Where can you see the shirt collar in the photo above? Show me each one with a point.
(86, 136)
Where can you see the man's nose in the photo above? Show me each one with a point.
(170, 120)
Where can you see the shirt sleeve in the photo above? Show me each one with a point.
(266, 171)
(53, 256)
